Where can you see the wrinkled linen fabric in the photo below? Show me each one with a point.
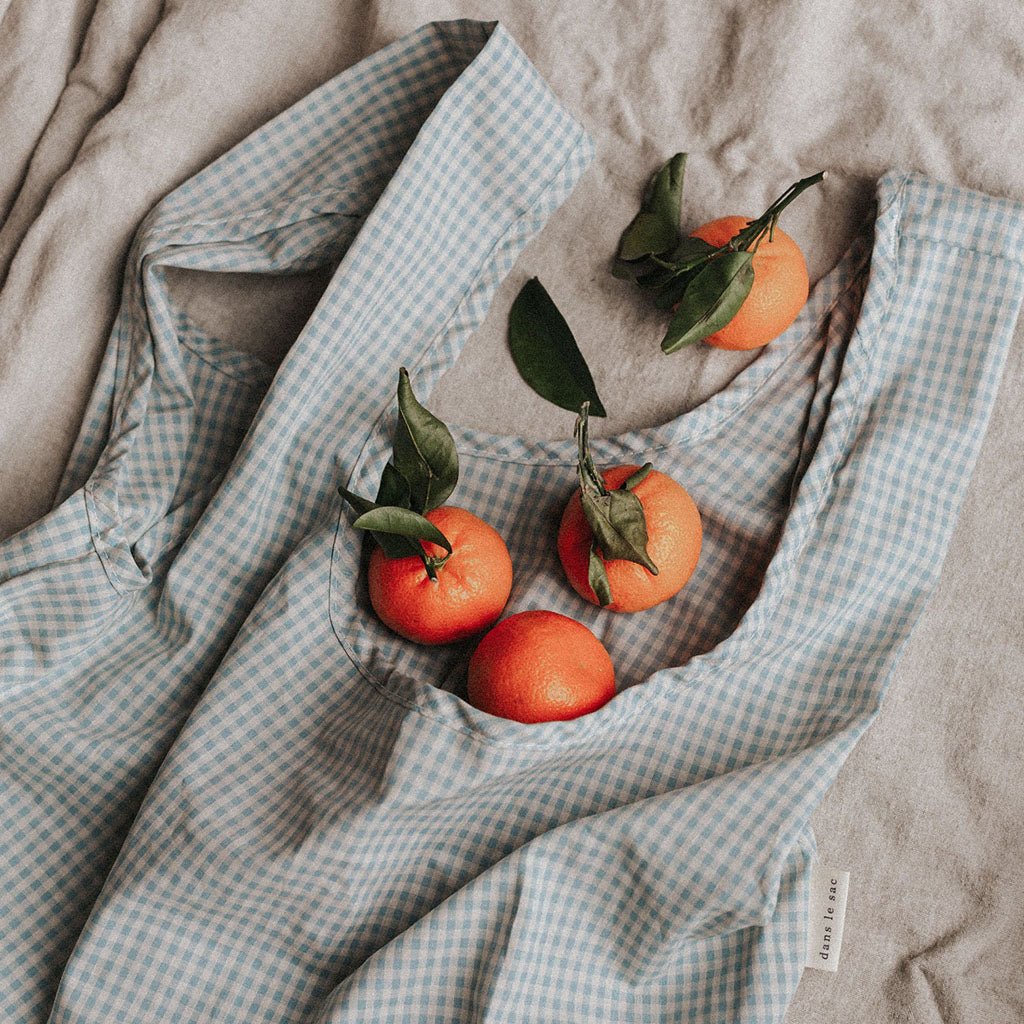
(334, 833)
(109, 634)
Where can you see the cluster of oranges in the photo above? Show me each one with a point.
(537, 666)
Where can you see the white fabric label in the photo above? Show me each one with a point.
(825, 918)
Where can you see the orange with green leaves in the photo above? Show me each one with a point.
(630, 537)
(733, 283)
(439, 573)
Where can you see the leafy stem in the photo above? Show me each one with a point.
(704, 285)
(590, 479)
(404, 525)
(422, 474)
(753, 234)
(616, 517)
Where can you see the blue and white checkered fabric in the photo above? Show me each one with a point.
(334, 834)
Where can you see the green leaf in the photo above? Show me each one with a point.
(597, 575)
(689, 253)
(394, 488)
(401, 522)
(647, 233)
(666, 197)
(616, 517)
(392, 546)
(627, 271)
(424, 451)
(620, 529)
(656, 278)
(359, 503)
(668, 297)
(671, 293)
(711, 300)
(655, 229)
(672, 275)
(545, 351)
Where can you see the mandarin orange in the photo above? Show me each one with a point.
(470, 591)
(673, 543)
(779, 291)
(540, 666)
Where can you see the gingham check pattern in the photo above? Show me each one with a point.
(334, 834)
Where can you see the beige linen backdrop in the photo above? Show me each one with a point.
(105, 105)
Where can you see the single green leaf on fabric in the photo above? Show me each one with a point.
(545, 351)
(655, 229)
(711, 300)
(424, 451)
(616, 517)
(597, 575)
(392, 546)
(394, 488)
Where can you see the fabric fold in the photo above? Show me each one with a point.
(196, 473)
